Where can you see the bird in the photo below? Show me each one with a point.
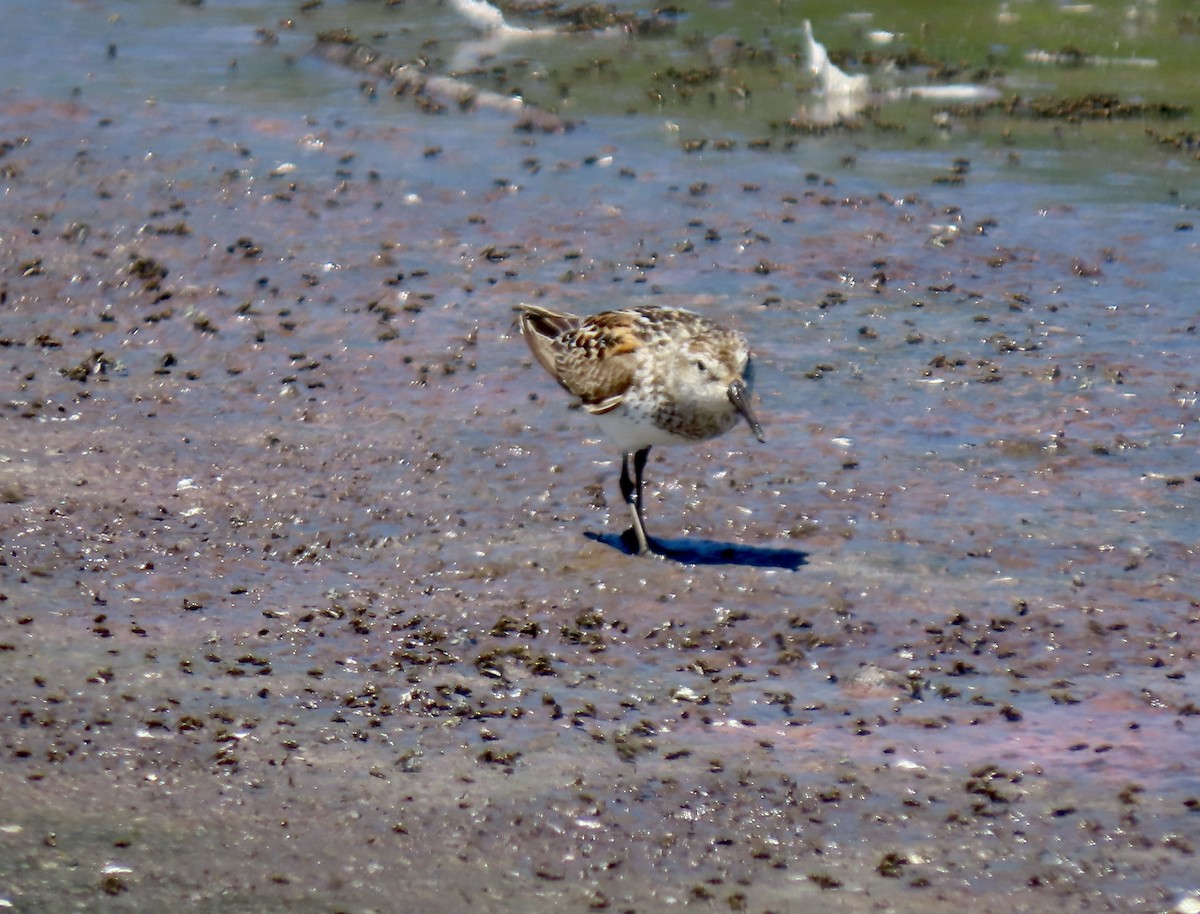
(650, 376)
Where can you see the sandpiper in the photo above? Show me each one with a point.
(650, 376)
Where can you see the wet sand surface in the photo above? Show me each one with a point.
(311, 590)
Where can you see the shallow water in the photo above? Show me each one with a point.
(311, 594)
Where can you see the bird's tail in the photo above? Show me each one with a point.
(541, 327)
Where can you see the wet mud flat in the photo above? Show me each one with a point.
(310, 597)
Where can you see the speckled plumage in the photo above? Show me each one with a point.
(649, 375)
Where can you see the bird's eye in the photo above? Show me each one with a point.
(701, 367)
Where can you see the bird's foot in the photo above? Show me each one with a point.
(638, 545)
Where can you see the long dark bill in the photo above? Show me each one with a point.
(739, 396)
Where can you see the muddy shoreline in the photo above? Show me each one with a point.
(309, 598)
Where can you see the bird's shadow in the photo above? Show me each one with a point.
(707, 552)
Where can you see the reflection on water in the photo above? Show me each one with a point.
(710, 72)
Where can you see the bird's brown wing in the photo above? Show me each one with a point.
(594, 358)
(598, 360)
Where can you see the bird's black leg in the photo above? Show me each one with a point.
(631, 491)
(639, 469)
